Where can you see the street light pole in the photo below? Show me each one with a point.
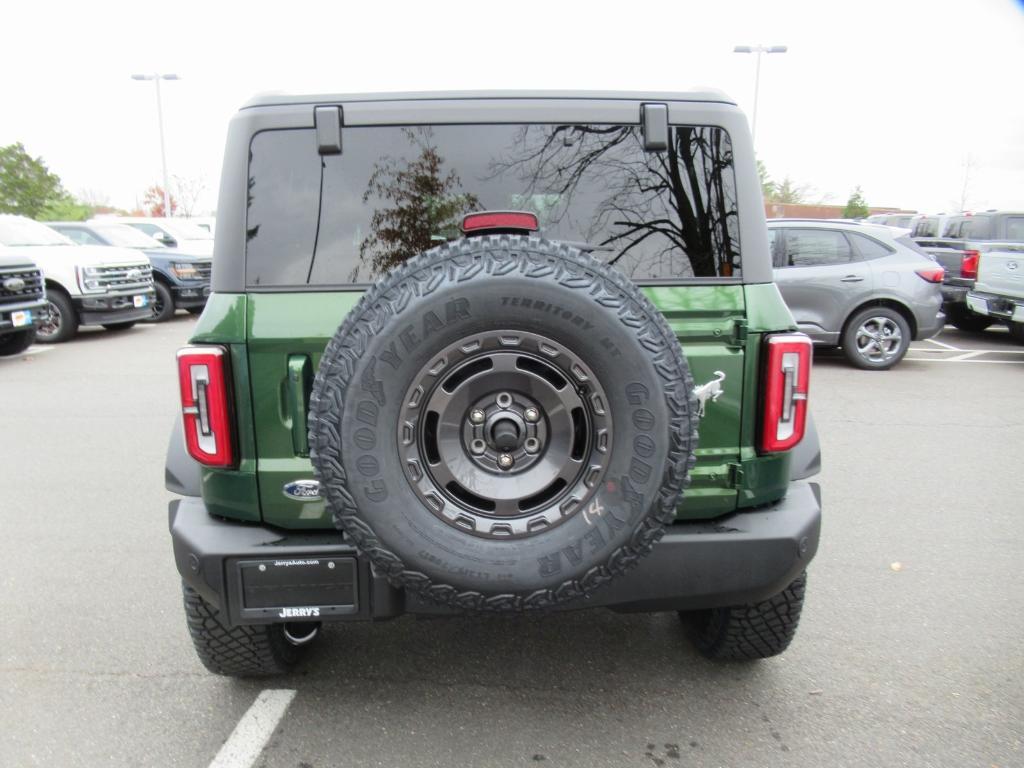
(156, 78)
(758, 49)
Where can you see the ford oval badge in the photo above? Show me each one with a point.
(303, 490)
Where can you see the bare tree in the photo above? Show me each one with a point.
(970, 167)
(668, 212)
(188, 190)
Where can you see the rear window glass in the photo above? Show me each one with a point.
(1015, 228)
(968, 227)
(927, 227)
(396, 191)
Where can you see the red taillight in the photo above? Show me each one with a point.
(205, 408)
(931, 275)
(519, 221)
(969, 265)
(787, 375)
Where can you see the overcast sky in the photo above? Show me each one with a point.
(894, 96)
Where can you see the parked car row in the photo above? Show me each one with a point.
(983, 255)
(55, 278)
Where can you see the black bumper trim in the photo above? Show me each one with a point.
(741, 558)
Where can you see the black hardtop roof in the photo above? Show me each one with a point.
(280, 99)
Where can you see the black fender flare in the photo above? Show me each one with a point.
(805, 458)
(182, 474)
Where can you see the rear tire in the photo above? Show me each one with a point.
(965, 320)
(748, 632)
(14, 343)
(242, 651)
(61, 321)
(1017, 332)
(876, 338)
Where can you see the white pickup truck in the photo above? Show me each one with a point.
(998, 292)
(983, 254)
(85, 285)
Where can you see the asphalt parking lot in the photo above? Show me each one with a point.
(909, 653)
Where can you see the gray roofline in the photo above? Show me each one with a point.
(281, 98)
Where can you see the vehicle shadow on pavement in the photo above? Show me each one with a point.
(564, 651)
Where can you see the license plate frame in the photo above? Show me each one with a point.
(140, 301)
(21, 318)
(309, 588)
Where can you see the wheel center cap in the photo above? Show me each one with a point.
(505, 435)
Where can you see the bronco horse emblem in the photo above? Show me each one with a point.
(710, 391)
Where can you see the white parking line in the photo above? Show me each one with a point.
(245, 744)
(956, 360)
(943, 344)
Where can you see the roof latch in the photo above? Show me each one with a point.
(328, 129)
(654, 124)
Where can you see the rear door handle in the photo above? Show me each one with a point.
(851, 279)
(297, 393)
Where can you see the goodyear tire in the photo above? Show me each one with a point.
(503, 423)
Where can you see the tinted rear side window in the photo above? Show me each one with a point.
(396, 191)
(868, 248)
(968, 227)
(1015, 228)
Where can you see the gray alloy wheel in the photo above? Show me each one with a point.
(876, 338)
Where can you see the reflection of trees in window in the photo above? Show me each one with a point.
(666, 213)
(424, 207)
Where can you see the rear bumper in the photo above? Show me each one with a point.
(930, 326)
(741, 558)
(999, 307)
(954, 292)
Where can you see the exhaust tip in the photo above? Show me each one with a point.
(300, 633)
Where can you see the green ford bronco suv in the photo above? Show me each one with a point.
(491, 352)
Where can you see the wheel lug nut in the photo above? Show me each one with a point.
(531, 414)
(505, 460)
(477, 416)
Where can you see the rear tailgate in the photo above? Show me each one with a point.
(287, 333)
(948, 253)
(1001, 270)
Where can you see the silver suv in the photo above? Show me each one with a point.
(867, 288)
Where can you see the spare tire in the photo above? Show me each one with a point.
(503, 423)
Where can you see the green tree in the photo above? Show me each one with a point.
(856, 206)
(417, 204)
(768, 187)
(26, 184)
(788, 191)
(66, 208)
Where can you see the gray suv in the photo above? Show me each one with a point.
(864, 287)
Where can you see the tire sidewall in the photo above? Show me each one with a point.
(167, 299)
(68, 319)
(631, 502)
